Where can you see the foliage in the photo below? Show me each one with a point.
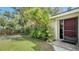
(41, 23)
(3, 22)
(42, 33)
(7, 14)
(54, 10)
(34, 22)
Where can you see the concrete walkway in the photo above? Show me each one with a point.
(63, 46)
(57, 48)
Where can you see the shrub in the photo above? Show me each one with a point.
(42, 33)
(27, 30)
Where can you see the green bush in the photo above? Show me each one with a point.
(27, 30)
(42, 33)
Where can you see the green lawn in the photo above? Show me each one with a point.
(24, 44)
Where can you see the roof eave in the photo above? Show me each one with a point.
(67, 13)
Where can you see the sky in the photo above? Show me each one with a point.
(9, 9)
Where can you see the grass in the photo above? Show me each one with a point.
(24, 44)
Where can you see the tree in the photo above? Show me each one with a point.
(54, 10)
(7, 14)
(38, 20)
(23, 14)
(3, 22)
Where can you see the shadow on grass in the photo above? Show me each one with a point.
(40, 45)
(25, 43)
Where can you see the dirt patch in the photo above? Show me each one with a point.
(45, 46)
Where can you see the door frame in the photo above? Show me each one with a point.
(62, 28)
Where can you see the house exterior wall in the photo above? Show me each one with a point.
(57, 25)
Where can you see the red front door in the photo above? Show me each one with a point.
(70, 30)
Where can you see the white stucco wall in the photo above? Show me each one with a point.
(55, 25)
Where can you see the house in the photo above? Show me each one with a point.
(66, 26)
